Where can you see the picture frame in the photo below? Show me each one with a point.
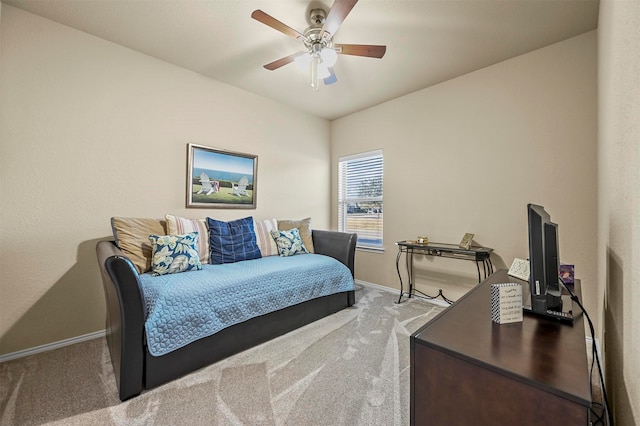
(221, 179)
(466, 241)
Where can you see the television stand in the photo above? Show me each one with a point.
(467, 370)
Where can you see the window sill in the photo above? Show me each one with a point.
(370, 249)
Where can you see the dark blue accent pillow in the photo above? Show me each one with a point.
(232, 241)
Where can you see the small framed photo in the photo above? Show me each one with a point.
(218, 178)
(466, 241)
(567, 273)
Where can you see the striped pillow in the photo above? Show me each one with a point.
(266, 243)
(179, 226)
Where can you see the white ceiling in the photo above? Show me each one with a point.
(428, 41)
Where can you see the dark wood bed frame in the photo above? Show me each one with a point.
(136, 369)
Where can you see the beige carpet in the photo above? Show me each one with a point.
(351, 368)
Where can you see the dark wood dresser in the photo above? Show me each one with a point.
(467, 370)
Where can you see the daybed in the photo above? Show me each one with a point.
(134, 365)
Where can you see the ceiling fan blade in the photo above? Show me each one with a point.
(331, 79)
(282, 61)
(337, 14)
(269, 20)
(368, 50)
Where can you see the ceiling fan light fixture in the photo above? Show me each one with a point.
(319, 62)
(319, 71)
(303, 61)
(323, 71)
(329, 56)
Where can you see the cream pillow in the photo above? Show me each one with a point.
(304, 226)
(132, 237)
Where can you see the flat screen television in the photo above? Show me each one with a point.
(544, 284)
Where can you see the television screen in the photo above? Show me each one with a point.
(537, 218)
(544, 261)
(552, 266)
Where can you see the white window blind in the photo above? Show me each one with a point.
(360, 182)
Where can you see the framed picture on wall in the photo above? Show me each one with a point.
(219, 178)
(466, 241)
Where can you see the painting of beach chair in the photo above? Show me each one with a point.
(208, 186)
(240, 188)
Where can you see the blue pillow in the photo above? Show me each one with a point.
(233, 241)
(174, 253)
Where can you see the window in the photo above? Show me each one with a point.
(360, 179)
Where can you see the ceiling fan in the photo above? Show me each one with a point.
(321, 53)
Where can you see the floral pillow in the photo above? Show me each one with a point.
(289, 242)
(174, 253)
(304, 227)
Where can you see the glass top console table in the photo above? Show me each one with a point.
(480, 255)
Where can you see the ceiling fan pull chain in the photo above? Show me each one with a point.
(314, 73)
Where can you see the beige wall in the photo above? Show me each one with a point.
(468, 155)
(92, 130)
(619, 201)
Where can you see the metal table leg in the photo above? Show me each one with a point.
(478, 268)
(399, 274)
(409, 260)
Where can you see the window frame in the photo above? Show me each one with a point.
(344, 200)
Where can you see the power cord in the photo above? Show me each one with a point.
(594, 359)
(429, 297)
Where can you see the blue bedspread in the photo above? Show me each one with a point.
(188, 306)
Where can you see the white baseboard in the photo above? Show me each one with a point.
(598, 350)
(51, 346)
(378, 286)
(396, 291)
